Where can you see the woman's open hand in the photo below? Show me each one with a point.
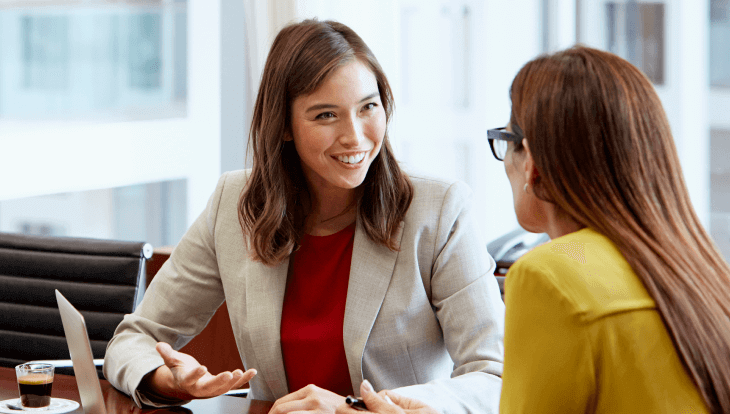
(183, 377)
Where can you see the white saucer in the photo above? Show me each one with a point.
(58, 406)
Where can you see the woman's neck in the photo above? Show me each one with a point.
(559, 223)
(331, 212)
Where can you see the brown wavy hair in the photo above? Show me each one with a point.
(605, 155)
(272, 205)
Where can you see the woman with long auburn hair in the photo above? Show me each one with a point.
(627, 308)
(335, 265)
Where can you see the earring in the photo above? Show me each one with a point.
(525, 188)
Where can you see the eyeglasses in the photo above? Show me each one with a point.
(498, 140)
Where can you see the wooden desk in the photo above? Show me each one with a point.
(64, 386)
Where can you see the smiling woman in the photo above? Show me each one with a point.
(335, 265)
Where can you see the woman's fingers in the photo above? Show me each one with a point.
(168, 354)
(211, 386)
(189, 378)
(311, 399)
(280, 405)
(194, 379)
(409, 405)
(217, 385)
(376, 403)
(289, 406)
(281, 402)
(245, 377)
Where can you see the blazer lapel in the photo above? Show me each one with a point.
(265, 288)
(370, 273)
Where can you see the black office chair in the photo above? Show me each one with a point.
(511, 246)
(104, 279)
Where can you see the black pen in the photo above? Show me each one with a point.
(356, 403)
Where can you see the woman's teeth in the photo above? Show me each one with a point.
(352, 159)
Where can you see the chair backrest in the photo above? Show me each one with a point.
(508, 248)
(103, 279)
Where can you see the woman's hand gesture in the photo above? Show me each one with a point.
(184, 378)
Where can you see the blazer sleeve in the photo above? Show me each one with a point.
(178, 304)
(465, 296)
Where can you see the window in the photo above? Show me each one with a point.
(152, 212)
(45, 52)
(636, 33)
(93, 59)
(719, 190)
(719, 43)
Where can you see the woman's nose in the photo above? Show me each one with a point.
(352, 134)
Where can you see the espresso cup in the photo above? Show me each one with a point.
(35, 382)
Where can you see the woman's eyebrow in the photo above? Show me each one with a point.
(321, 106)
(318, 107)
(371, 96)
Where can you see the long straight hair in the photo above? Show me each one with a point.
(604, 153)
(272, 206)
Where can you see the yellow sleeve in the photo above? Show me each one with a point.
(548, 363)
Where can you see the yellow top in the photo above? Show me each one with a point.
(582, 335)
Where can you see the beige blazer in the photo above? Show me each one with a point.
(427, 321)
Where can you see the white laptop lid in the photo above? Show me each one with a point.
(83, 360)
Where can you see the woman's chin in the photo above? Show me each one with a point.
(531, 227)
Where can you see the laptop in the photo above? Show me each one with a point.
(82, 359)
(79, 346)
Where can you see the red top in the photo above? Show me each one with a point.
(314, 311)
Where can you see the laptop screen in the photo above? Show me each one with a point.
(79, 346)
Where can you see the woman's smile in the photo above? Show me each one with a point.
(350, 159)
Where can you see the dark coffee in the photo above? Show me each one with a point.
(35, 390)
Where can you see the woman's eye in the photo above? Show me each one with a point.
(325, 115)
(369, 106)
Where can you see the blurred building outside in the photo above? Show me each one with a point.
(129, 110)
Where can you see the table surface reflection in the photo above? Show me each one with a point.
(64, 386)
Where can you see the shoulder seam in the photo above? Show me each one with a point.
(439, 223)
(220, 196)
